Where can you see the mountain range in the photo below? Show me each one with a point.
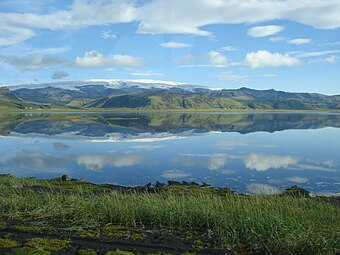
(156, 95)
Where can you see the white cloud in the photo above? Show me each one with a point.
(96, 59)
(263, 58)
(191, 15)
(146, 73)
(330, 43)
(261, 162)
(262, 31)
(211, 59)
(231, 76)
(164, 17)
(315, 53)
(277, 39)
(18, 27)
(217, 59)
(332, 59)
(11, 34)
(33, 62)
(174, 174)
(228, 48)
(108, 35)
(57, 75)
(175, 45)
(299, 41)
(269, 75)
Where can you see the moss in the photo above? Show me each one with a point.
(110, 228)
(2, 225)
(47, 244)
(7, 243)
(30, 252)
(119, 252)
(118, 234)
(87, 252)
(138, 236)
(115, 231)
(199, 245)
(7, 235)
(28, 228)
(89, 233)
(188, 253)
(159, 253)
(188, 235)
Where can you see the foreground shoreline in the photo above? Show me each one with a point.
(173, 218)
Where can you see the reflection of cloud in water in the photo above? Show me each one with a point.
(258, 188)
(216, 162)
(261, 162)
(96, 162)
(146, 147)
(312, 168)
(34, 160)
(227, 171)
(144, 137)
(209, 161)
(230, 145)
(297, 179)
(60, 146)
(174, 174)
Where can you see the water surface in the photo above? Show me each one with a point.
(255, 153)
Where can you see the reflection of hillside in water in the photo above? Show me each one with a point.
(125, 125)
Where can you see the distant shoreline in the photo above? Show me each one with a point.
(126, 110)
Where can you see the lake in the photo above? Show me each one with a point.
(260, 153)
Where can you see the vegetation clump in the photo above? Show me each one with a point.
(119, 252)
(47, 244)
(87, 252)
(26, 251)
(7, 243)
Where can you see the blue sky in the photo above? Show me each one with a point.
(282, 44)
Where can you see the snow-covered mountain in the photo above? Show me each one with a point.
(116, 84)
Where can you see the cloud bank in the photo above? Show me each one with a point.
(174, 17)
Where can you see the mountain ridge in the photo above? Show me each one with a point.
(162, 95)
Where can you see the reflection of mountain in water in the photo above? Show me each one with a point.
(127, 125)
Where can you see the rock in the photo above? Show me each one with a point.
(296, 191)
(65, 178)
(159, 186)
(174, 183)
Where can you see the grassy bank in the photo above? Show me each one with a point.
(253, 224)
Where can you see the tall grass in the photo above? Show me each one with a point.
(270, 224)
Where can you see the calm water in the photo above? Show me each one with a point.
(255, 153)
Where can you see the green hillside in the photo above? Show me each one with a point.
(166, 100)
(10, 101)
(100, 97)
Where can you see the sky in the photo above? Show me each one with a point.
(262, 44)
